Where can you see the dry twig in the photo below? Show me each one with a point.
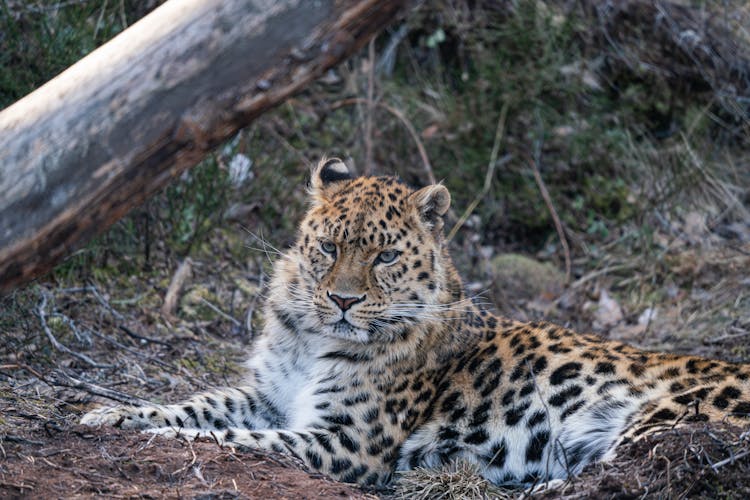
(173, 292)
(136, 352)
(730, 460)
(407, 124)
(221, 313)
(42, 314)
(268, 127)
(491, 167)
(60, 378)
(370, 106)
(601, 272)
(143, 338)
(533, 163)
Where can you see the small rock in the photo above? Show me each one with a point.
(647, 316)
(516, 278)
(608, 311)
(487, 251)
(695, 226)
(239, 170)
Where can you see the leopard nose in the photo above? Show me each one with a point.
(345, 303)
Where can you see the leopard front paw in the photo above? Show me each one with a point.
(124, 417)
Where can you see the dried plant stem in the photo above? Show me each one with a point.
(601, 272)
(42, 314)
(173, 292)
(123, 17)
(730, 460)
(286, 144)
(491, 167)
(221, 313)
(407, 124)
(62, 379)
(100, 18)
(143, 338)
(370, 107)
(555, 217)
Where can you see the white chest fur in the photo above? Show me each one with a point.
(296, 378)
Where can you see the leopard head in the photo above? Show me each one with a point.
(369, 260)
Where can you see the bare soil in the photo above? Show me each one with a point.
(49, 459)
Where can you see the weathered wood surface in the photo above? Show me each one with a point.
(79, 152)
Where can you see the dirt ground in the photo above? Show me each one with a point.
(53, 460)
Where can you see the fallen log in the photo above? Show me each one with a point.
(81, 151)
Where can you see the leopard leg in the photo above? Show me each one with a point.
(242, 407)
(337, 453)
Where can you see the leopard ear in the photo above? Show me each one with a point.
(432, 203)
(328, 177)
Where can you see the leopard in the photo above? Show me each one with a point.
(373, 361)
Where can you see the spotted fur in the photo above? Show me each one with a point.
(372, 360)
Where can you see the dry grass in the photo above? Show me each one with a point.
(455, 481)
(695, 461)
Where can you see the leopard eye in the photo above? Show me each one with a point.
(387, 257)
(328, 247)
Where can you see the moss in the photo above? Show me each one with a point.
(519, 277)
(42, 38)
(219, 362)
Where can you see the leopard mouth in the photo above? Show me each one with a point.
(344, 326)
(344, 329)
(343, 322)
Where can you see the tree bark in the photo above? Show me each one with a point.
(96, 141)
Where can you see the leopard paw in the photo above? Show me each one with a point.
(123, 417)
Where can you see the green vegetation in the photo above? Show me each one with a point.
(593, 132)
(40, 38)
(624, 151)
